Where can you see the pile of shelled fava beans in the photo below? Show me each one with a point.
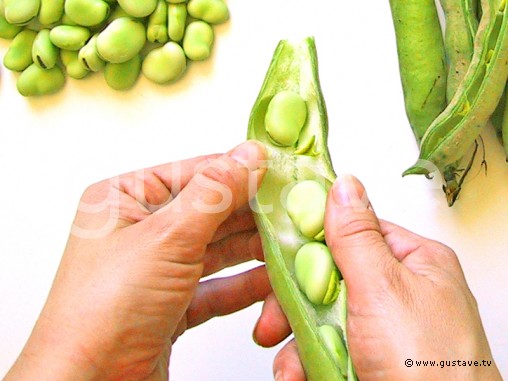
(121, 38)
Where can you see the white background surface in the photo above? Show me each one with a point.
(52, 148)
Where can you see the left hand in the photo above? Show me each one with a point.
(129, 281)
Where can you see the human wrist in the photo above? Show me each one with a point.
(488, 371)
(49, 357)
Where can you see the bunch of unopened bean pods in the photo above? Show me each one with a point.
(453, 85)
(121, 38)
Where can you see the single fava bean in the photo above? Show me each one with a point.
(44, 52)
(285, 118)
(211, 11)
(123, 76)
(87, 12)
(122, 40)
(335, 345)
(19, 55)
(51, 11)
(157, 28)
(306, 203)
(316, 273)
(69, 37)
(7, 30)
(177, 20)
(117, 13)
(137, 8)
(21, 12)
(164, 64)
(66, 20)
(74, 67)
(89, 56)
(198, 40)
(35, 81)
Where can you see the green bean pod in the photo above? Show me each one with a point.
(177, 20)
(51, 11)
(471, 12)
(498, 115)
(461, 27)
(157, 28)
(335, 344)
(453, 133)
(500, 121)
(294, 69)
(19, 55)
(422, 61)
(459, 41)
(44, 53)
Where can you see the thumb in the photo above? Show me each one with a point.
(217, 189)
(353, 234)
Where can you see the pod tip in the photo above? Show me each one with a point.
(416, 170)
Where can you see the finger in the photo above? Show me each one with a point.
(190, 221)
(402, 242)
(155, 187)
(124, 200)
(272, 326)
(354, 236)
(241, 220)
(223, 296)
(231, 251)
(287, 365)
(177, 175)
(103, 209)
(420, 255)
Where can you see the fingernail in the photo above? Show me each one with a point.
(279, 376)
(250, 154)
(347, 191)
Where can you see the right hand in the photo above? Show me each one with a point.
(407, 299)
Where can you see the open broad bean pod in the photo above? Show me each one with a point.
(289, 117)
